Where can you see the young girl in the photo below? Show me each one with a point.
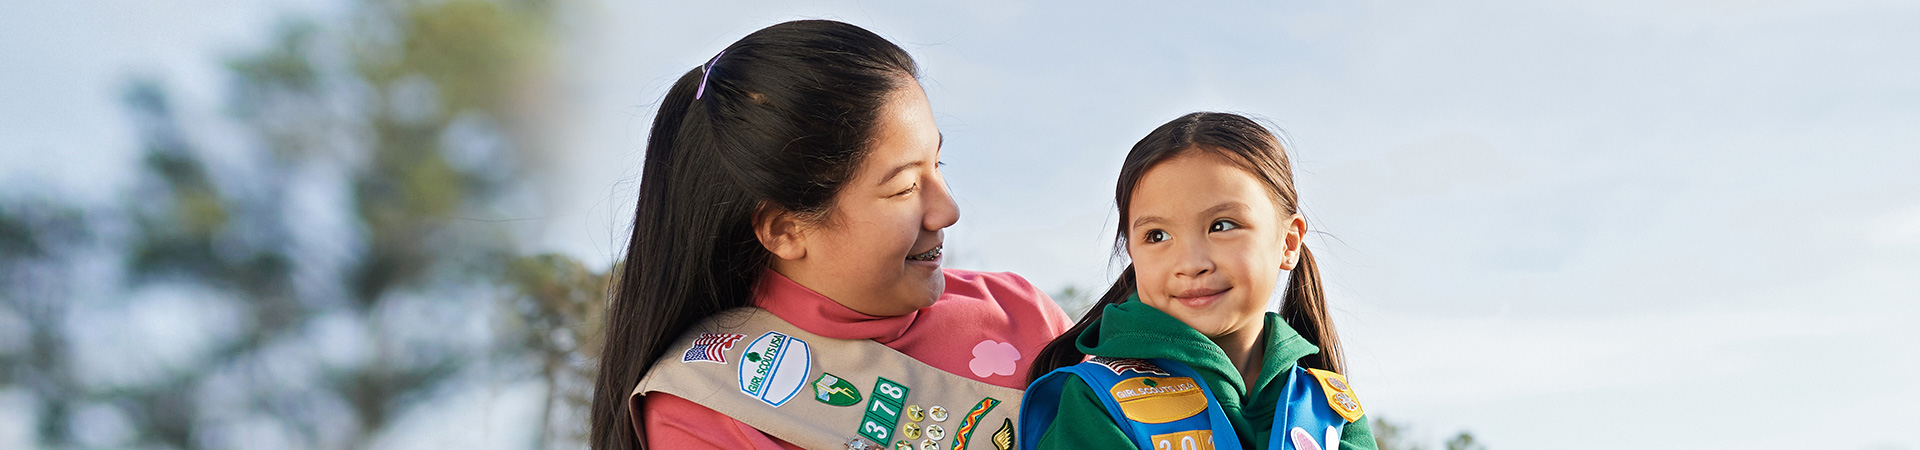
(782, 287)
(1185, 353)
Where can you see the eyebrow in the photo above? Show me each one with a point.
(1225, 207)
(1215, 210)
(1143, 220)
(903, 167)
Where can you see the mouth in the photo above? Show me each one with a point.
(929, 255)
(1199, 297)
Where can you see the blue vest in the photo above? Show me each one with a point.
(1164, 405)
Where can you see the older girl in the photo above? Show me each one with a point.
(783, 285)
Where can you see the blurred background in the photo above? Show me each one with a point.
(345, 224)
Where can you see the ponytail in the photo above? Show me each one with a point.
(640, 324)
(1305, 310)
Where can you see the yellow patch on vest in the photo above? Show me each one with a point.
(1159, 399)
(1339, 395)
(1185, 440)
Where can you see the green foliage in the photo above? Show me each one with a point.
(34, 235)
(1464, 441)
(372, 110)
(559, 309)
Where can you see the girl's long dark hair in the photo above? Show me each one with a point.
(785, 116)
(1258, 151)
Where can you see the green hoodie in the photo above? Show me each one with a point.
(1133, 329)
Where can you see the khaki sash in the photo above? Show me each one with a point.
(774, 376)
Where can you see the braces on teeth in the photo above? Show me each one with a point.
(928, 256)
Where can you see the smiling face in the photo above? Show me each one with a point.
(1208, 243)
(878, 249)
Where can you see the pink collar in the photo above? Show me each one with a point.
(820, 315)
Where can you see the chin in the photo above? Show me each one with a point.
(910, 298)
(933, 292)
(1212, 327)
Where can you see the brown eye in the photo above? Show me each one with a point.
(1153, 236)
(1222, 225)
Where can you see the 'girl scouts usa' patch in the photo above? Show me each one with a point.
(1159, 399)
(774, 368)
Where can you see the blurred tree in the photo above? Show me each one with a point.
(34, 356)
(341, 237)
(1074, 301)
(1464, 441)
(559, 312)
(1390, 435)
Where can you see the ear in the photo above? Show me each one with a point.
(1293, 241)
(780, 232)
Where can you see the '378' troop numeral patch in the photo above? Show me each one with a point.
(883, 410)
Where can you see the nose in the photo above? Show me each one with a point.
(1194, 258)
(942, 211)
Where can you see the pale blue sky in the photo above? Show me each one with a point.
(1690, 224)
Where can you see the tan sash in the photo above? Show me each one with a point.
(758, 369)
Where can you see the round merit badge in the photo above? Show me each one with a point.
(910, 430)
(937, 413)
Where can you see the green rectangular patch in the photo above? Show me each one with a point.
(883, 410)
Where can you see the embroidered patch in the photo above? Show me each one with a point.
(914, 413)
(929, 445)
(1159, 400)
(711, 347)
(1003, 439)
(883, 410)
(937, 413)
(1118, 365)
(1185, 440)
(1303, 440)
(965, 432)
(935, 433)
(992, 357)
(1340, 395)
(834, 391)
(775, 368)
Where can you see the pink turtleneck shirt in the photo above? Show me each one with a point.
(965, 332)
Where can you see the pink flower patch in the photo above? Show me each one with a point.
(992, 357)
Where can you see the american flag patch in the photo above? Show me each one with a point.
(1118, 365)
(711, 347)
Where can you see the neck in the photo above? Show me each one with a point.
(1244, 347)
